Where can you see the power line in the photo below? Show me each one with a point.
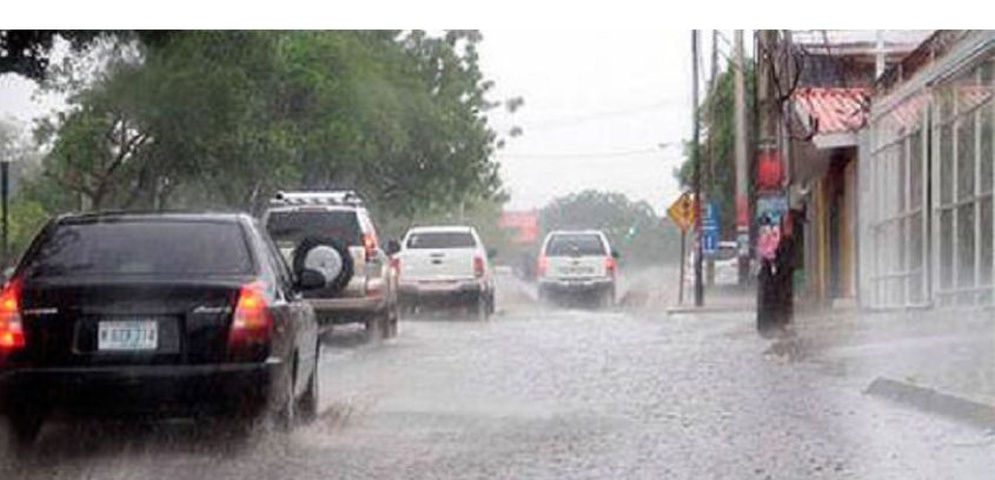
(615, 154)
(571, 121)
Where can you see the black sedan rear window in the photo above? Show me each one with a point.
(575, 245)
(441, 240)
(142, 248)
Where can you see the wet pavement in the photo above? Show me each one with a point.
(952, 351)
(555, 393)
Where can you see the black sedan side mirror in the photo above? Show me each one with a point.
(492, 253)
(392, 247)
(615, 253)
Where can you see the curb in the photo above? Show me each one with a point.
(747, 308)
(929, 400)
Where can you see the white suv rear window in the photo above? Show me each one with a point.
(441, 240)
(575, 245)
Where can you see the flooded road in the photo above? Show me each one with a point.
(543, 392)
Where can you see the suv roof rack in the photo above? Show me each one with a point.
(340, 197)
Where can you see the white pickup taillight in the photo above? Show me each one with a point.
(610, 266)
(11, 327)
(252, 322)
(478, 267)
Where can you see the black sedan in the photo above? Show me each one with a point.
(173, 314)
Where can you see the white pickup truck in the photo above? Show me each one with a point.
(445, 266)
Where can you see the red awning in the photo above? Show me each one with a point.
(828, 110)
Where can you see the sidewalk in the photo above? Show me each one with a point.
(717, 301)
(937, 360)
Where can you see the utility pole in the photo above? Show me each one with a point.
(766, 101)
(699, 291)
(713, 98)
(770, 289)
(742, 173)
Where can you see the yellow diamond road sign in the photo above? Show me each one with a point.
(681, 212)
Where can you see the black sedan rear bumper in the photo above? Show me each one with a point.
(111, 391)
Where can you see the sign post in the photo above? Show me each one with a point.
(681, 212)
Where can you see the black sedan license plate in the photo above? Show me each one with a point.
(127, 335)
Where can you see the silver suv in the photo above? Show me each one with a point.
(366, 290)
(577, 263)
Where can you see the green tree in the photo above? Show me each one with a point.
(717, 147)
(26, 216)
(224, 119)
(632, 227)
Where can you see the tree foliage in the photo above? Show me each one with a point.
(632, 227)
(25, 216)
(225, 119)
(718, 157)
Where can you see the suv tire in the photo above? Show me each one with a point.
(479, 309)
(375, 326)
(393, 317)
(608, 298)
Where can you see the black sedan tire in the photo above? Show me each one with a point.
(286, 413)
(24, 426)
(307, 407)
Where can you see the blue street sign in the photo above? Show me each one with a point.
(710, 229)
(709, 241)
(711, 216)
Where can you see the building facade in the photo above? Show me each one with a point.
(926, 178)
(828, 110)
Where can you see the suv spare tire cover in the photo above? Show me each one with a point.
(345, 273)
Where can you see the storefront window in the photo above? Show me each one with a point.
(965, 157)
(915, 170)
(965, 246)
(946, 262)
(946, 164)
(985, 147)
(986, 242)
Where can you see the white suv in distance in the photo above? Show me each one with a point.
(366, 291)
(577, 263)
(445, 266)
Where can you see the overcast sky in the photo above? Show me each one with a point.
(598, 106)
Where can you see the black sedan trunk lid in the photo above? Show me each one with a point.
(81, 322)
